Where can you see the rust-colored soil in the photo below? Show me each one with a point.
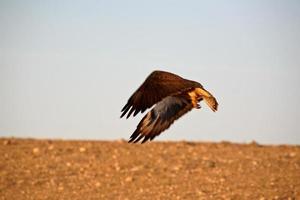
(46, 169)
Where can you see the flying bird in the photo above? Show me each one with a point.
(172, 97)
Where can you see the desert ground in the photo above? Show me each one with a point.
(62, 169)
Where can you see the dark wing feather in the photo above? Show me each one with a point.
(158, 85)
(161, 117)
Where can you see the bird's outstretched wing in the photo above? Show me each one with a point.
(158, 85)
(162, 116)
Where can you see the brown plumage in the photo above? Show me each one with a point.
(172, 95)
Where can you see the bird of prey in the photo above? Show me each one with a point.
(172, 95)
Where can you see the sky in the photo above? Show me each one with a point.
(68, 67)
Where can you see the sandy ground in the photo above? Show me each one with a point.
(60, 169)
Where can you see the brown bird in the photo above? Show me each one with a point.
(172, 95)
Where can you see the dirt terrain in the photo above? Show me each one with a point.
(61, 169)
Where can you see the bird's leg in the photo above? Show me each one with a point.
(199, 99)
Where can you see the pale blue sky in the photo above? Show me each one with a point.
(68, 67)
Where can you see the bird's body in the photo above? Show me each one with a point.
(172, 95)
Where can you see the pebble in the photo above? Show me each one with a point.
(176, 168)
(82, 149)
(6, 142)
(210, 164)
(254, 143)
(36, 150)
(134, 169)
(129, 179)
(97, 184)
(222, 180)
(117, 167)
(292, 154)
(121, 141)
(51, 147)
(200, 192)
